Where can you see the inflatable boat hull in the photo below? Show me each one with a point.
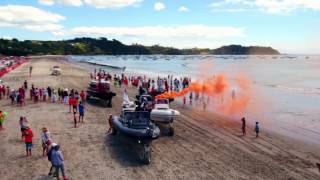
(150, 133)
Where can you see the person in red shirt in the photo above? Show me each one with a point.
(83, 96)
(28, 135)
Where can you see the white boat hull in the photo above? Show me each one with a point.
(164, 116)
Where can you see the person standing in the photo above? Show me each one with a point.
(25, 85)
(57, 161)
(243, 127)
(45, 137)
(75, 118)
(83, 96)
(30, 70)
(110, 123)
(28, 135)
(2, 117)
(23, 125)
(257, 129)
(81, 111)
(49, 90)
(50, 149)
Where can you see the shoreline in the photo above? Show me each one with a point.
(205, 145)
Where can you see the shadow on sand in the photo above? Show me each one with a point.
(124, 150)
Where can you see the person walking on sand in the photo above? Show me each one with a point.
(23, 122)
(75, 118)
(50, 149)
(81, 111)
(110, 123)
(243, 126)
(57, 161)
(2, 118)
(25, 85)
(28, 135)
(257, 129)
(45, 137)
(184, 101)
(30, 70)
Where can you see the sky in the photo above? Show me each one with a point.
(290, 26)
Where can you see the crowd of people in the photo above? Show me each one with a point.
(76, 99)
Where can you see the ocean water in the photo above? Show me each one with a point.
(286, 87)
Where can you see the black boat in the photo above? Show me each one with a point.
(138, 126)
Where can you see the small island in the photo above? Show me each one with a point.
(103, 46)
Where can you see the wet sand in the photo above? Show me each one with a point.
(205, 145)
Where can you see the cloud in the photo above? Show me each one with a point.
(183, 9)
(199, 31)
(62, 2)
(112, 3)
(158, 6)
(46, 2)
(177, 36)
(30, 18)
(268, 6)
(93, 3)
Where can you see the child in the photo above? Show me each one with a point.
(46, 140)
(23, 125)
(81, 111)
(257, 129)
(28, 135)
(83, 96)
(2, 117)
(184, 101)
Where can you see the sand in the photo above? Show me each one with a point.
(205, 145)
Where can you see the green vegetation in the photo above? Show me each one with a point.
(103, 46)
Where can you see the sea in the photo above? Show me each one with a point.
(286, 87)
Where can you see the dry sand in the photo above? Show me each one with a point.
(205, 145)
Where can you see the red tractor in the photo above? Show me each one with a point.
(100, 90)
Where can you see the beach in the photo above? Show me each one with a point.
(205, 145)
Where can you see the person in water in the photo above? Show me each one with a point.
(28, 135)
(243, 127)
(257, 129)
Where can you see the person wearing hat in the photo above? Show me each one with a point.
(45, 137)
(50, 149)
(57, 161)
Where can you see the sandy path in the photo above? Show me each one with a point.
(205, 146)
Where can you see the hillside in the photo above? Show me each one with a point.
(103, 46)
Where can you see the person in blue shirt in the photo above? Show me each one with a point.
(57, 161)
(81, 111)
(257, 129)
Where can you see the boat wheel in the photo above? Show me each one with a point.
(146, 155)
(171, 131)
